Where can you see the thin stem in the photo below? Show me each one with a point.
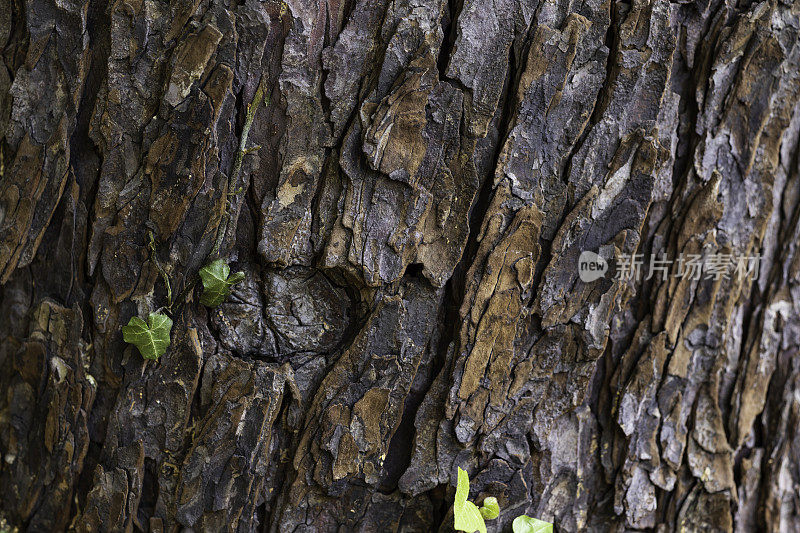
(161, 270)
(232, 188)
(183, 294)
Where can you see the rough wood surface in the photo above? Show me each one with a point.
(407, 186)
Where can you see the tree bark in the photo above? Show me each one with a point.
(407, 186)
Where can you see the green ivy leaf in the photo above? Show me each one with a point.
(466, 516)
(490, 508)
(526, 524)
(151, 337)
(216, 283)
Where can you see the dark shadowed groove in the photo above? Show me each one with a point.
(600, 101)
(18, 40)
(400, 446)
(756, 310)
(682, 166)
(456, 285)
(600, 395)
(615, 18)
(480, 206)
(272, 509)
(450, 33)
(324, 100)
(767, 426)
(83, 148)
(241, 113)
(150, 491)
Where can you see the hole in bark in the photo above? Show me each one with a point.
(147, 504)
(398, 455)
(414, 270)
(440, 503)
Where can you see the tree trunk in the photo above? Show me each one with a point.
(407, 186)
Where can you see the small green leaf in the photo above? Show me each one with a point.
(151, 337)
(490, 508)
(466, 516)
(216, 283)
(526, 524)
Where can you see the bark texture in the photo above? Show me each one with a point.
(407, 185)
